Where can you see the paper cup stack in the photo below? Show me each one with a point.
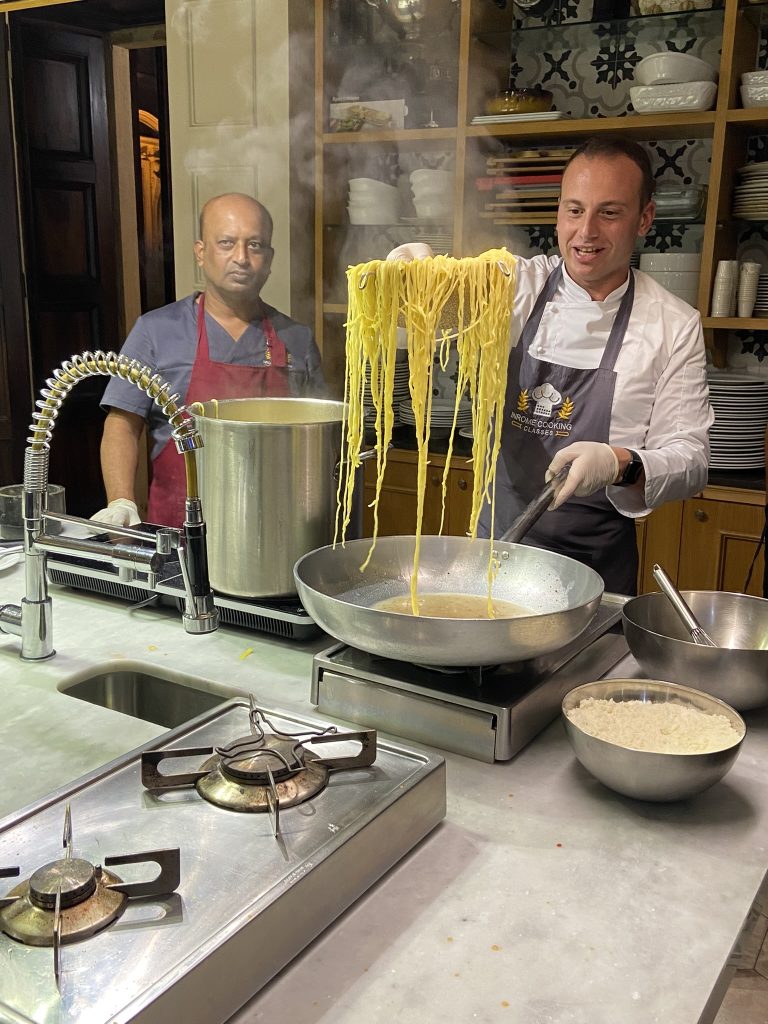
(678, 272)
(725, 288)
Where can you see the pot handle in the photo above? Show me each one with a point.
(532, 512)
(364, 456)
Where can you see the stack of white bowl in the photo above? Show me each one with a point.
(754, 89)
(432, 194)
(673, 81)
(373, 202)
(678, 272)
(441, 417)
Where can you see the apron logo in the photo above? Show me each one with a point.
(546, 420)
(547, 397)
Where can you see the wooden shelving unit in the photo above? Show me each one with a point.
(728, 126)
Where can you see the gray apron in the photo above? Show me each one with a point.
(547, 407)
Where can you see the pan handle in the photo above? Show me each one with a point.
(532, 512)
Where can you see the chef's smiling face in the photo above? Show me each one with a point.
(600, 215)
(235, 251)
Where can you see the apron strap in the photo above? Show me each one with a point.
(618, 330)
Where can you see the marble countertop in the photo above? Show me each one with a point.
(542, 897)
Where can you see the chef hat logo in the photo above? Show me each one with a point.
(546, 396)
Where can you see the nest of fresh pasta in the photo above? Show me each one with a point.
(442, 303)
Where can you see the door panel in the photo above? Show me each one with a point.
(61, 114)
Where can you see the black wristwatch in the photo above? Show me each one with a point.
(632, 473)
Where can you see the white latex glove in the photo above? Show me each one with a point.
(411, 251)
(593, 466)
(120, 512)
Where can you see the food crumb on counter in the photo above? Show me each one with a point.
(504, 1003)
(449, 938)
(558, 844)
(246, 653)
(495, 948)
(152, 647)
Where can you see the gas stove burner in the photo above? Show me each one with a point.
(86, 903)
(260, 772)
(242, 779)
(70, 899)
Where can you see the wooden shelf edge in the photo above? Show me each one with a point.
(335, 307)
(647, 126)
(735, 323)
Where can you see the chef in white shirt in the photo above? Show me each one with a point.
(607, 373)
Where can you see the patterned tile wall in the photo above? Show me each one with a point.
(589, 68)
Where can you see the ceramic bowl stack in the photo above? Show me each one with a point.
(673, 81)
(750, 196)
(740, 402)
(432, 194)
(372, 202)
(678, 272)
(754, 89)
(441, 420)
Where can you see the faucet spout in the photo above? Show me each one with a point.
(32, 620)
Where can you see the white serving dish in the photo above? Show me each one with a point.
(433, 175)
(674, 279)
(670, 261)
(648, 99)
(372, 215)
(434, 210)
(669, 68)
(754, 78)
(754, 95)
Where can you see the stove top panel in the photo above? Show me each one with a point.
(247, 901)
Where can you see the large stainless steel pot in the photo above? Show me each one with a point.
(268, 487)
(562, 594)
(736, 671)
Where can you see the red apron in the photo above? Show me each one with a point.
(212, 380)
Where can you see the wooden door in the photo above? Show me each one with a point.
(228, 95)
(397, 503)
(15, 386)
(718, 545)
(66, 200)
(460, 486)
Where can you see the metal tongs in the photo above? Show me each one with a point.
(533, 512)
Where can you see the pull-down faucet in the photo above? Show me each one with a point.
(32, 619)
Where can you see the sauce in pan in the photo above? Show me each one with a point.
(453, 606)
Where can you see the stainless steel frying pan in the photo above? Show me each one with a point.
(562, 594)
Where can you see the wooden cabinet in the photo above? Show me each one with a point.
(397, 504)
(705, 543)
(719, 539)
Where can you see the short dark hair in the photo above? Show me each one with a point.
(617, 145)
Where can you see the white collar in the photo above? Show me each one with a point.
(575, 293)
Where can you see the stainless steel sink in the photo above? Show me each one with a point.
(166, 702)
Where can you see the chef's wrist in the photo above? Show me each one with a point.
(631, 469)
(623, 457)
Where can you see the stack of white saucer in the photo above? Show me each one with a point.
(373, 202)
(432, 194)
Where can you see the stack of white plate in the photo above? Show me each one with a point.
(737, 437)
(432, 194)
(373, 202)
(441, 419)
(399, 389)
(750, 196)
(761, 302)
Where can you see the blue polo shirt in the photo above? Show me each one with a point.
(166, 340)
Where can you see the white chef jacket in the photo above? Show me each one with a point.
(661, 404)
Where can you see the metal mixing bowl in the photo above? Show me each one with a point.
(640, 773)
(736, 670)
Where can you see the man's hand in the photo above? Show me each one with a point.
(120, 512)
(593, 466)
(411, 251)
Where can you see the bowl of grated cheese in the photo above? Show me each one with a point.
(652, 740)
